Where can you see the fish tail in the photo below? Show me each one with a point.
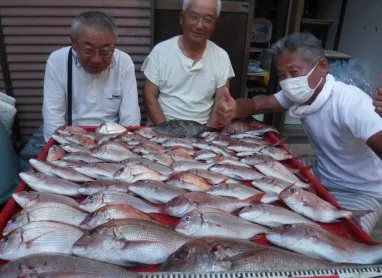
(355, 216)
(255, 199)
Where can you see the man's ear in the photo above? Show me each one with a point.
(181, 17)
(323, 66)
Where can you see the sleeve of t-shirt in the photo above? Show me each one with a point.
(225, 70)
(358, 114)
(283, 100)
(150, 67)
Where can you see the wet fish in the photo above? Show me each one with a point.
(161, 158)
(240, 147)
(180, 128)
(214, 222)
(29, 198)
(82, 140)
(45, 211)
(237, 172)
(50, 169)
(111, 212)
(212, 147)
(272, 216)
(185, 203)
(70, 130)
(317, 209)
(55, 153)
(71, 148)
(131, 136)
(315, 241)
(271, 185)
(68, 163)
(110, 128)
(179, 166)
(157, 167)
(113, 151)
(82, 157)
(160, 138)
(177, 142)
(210, 177)
(269, 198)
(146, 132)
(90, 188)
(233, 161)
(179, 155)
(148, 147)
(189, 151)
(60, 265)
(60, 138)
(235, 127)
(188, 181)
(129, 242)
(236, 190)
(39, 237)
(100, 171)
(154, 191)
(103, 198)
(204, 155)
(103, 138)
(134, 173)
(261, 131)
(49, 184)
(276, 153)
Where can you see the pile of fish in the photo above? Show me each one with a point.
(112, 197)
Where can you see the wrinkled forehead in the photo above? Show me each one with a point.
(289, 59)
(203, 7)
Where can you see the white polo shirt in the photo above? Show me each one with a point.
(187, 91)
(338, 132)
(108, 96)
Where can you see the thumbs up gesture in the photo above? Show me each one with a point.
(378, 100)
(226, 108)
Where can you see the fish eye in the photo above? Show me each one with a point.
(187, 218)
(287, 226)
(292, 190)
(182, 254)
(5, 239)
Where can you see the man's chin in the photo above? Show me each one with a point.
(94, 70)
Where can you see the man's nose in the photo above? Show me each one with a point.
(96, 58)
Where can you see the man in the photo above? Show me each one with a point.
(339, 120)
(185, 74)
(378, 100)
(103, 78)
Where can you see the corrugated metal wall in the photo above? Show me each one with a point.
(33, 29)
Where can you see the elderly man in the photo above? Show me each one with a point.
(103, 78)
(187, 73)
(339, 120)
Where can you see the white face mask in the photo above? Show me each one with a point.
(297, 89)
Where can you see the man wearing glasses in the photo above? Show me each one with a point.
(187, 73)
(104, 86)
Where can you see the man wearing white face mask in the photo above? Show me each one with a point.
(339, 120)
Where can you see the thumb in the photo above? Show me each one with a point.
(227, 95)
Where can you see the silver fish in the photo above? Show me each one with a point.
(236, 190)
(148, 147)
(210, 177)
(90, 188)
(315, 241)
(68, 163)
(113, 151)
(212, 147)
(50, 169)
(177, 142)
(60, 138)
(178, 155)
(103, 138)
(60, 265)
(111, 212)
(180, 128)
(228, 161)
(82, 140)
(160, 138)
(244, 147)
(179, 166)
(161, 158)
(71, 148)
(189, 151)
(272, 216)
(154, 191)
(110, 128)
(48, 184)
(81, 157)
(100, 171)
(214, 222)
(271, 185)
(134, 173)
(188, 181)
(146, 132)
(261, 131)
(45, 211)
(185, 203)
(29, 198)
(157, 167)
(237, 172)
(70, 130)
(55, 153)
(129, 242)
(235, 127)
(276, 153)
(205, 155)
(103, 198)
(130, 136)
(39, 237)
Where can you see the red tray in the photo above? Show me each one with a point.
(343, 227)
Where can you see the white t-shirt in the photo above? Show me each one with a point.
(186, 91)
(108, 96)
(338, 132)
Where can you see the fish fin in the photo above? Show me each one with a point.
(256, 198)
(356, 215)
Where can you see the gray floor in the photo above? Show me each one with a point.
(304, 148)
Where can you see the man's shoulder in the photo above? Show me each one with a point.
(217, 50)
(59, 54)
(122, 57)
(164, 45)
(348, 94)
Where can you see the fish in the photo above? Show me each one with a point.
(103, 198)
(317, 209)
(82, 157)
(146, 132)
(70, 130)
(256, 158)
(210, 177)
(131, 136)
(223, 141)
(134, 173)
(215, 222)
(185, 203)
(43, 183)
(68, 163)
(110, 128)
(29, 198)
(276, 153)
(82, 140)
(180, 128)
(55, 153)
(113, 151)
(161, 158)
(272, 216)
(60, 138)
(204, 155)
(235, 127)
(316, 242)
(157, 167)
(45, 211)
(189, 151)
(111, 212)
(208, 146)
(205, 254)
(148, 147)
(71, 148)
(269, 198)
(261, 131)
(228, 161)
(61, 265)
(50, 169)
(39, 237)
(92, 187)
(252, 140)
(240, 147)
(160, 138)
(237, 172)
(100, 171)
(179, 155)
(271, 185)
(235, 190)
(180, 166)
(103, 138)
(178, 142)
(156, 192)
(129, 242)
(188, 181)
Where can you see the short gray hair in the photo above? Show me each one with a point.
(94, 19)
(306, 43)
(186, 3)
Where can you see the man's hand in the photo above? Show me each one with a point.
(226, 108)
(378, 101)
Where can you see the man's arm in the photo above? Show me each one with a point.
(219, 97)
(378, 101)
(151, 94)
(375, 143)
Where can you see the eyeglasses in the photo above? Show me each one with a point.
(206, 21)
(104, 53)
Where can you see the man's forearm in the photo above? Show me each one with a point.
(247, 107)
(155, 112)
